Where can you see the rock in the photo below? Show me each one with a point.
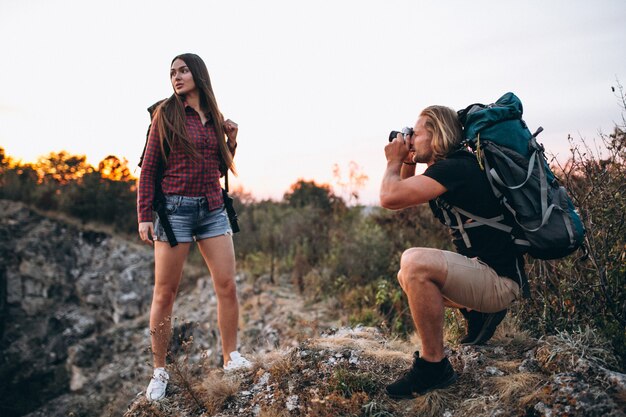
(56, 290)
(493, 371)
(567, 394)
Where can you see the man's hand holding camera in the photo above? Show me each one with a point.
(396, 150)
(399, 147)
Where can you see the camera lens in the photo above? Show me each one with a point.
(393, 135)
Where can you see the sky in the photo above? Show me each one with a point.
(310, 83)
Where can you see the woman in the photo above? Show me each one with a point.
(187, 139)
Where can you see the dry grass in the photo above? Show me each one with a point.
(273, 411)
(371, 344)
(542, 394)
(274, 358)
(510, 387)
(283, 366)
(454, 327)
(144, 408)
(510, 334)
(475, 406)
(335, 404)
(401, 345)
(434, 404)
(388, 358)
(346, 342)
(322, 388)
(562, 352)
(509, 366)
(215, 390)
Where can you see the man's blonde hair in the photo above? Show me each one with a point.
(443, 123)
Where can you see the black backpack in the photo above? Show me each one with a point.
(546, 225)
(151, 110)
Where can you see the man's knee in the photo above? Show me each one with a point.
(413, 262)
(419, 265)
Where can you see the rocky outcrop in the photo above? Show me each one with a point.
(344, 371)
(74, 305)
(64, 290)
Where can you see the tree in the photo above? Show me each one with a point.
(114, 169)
(356, 181)
(307, 193)
(62, 167)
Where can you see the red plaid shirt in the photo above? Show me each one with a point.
(183, 175)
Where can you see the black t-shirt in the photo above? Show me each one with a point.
(467, 188)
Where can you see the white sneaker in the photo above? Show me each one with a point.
(237, 363)
(158, 384)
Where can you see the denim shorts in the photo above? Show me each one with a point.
(191, 219)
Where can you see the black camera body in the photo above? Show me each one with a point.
(406, 133)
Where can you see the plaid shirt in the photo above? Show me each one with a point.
(183, 175)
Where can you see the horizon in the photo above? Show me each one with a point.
(311, 85)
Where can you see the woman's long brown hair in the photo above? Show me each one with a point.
(170, 115)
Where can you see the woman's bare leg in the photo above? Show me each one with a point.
(168, 270)
(219, 255)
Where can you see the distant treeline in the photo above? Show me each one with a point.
(327, 247)
(68, 184)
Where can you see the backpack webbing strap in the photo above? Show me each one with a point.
(570, 230)
(496, 177)
(459, 226)
(160, 206)
(161, 209)
(543, 181)
(490, 179)
(494, 222)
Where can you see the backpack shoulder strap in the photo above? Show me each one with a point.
(151, 110)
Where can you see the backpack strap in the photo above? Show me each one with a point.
(159, 204)
(459, 222)
(496, 177)
(478, 221)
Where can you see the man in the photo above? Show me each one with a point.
(486, 274)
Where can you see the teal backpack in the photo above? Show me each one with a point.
(546, 223)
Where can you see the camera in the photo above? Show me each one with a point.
(406, 132)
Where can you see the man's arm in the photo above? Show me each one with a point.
(397, 191)
(407, 170)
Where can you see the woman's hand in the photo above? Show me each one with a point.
(231, 129)
(146, 232)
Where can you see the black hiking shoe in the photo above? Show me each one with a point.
(421, 378)
(474, 321)
(480, 326)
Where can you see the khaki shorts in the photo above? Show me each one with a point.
(475, 285)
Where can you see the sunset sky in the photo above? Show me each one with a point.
(311, 83)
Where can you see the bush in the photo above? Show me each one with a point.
(591, 289)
